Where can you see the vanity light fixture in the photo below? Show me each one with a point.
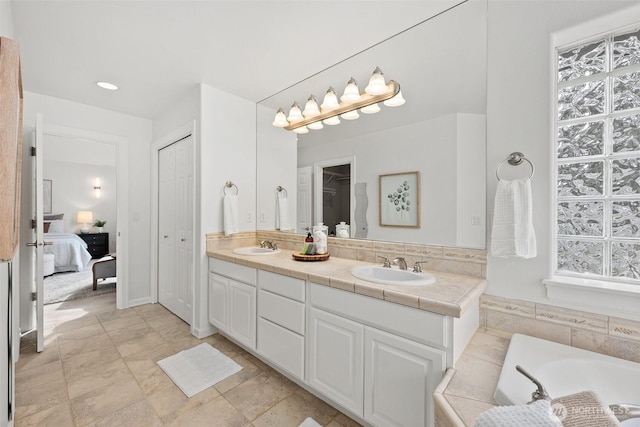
(352, 100)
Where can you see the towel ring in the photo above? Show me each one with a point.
(515, 159)
(280, 189)
(229, 184)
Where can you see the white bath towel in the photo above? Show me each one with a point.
(282, 214)
(230, 214)
(537, 414)
(512, 234)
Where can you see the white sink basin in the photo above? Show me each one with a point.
(392, 276)
(255, 250)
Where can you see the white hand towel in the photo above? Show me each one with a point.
(282, 214)
(230, 214)
(512, 234)
(537, 414)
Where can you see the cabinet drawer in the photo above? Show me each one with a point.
(412, 323)
(234, 271)
(281, 346)
(282, 311)
(286, 286)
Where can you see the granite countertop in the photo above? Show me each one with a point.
(450, 295)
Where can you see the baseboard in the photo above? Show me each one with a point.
(203, 332)
(139, 301)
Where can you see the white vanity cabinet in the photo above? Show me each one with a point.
(382, 361)
(232, 300)
(281, 321)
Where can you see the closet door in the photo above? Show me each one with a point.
(175, 228)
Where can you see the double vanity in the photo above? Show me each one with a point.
(375, 351)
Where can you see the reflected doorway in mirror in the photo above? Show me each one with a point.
(400, 199)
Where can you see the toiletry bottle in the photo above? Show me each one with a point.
(307, 240)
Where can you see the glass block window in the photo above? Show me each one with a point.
(597, 158)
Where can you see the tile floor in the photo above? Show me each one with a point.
(99, 369)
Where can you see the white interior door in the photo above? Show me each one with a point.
(37, 233)
(175, 228)
(305, 199)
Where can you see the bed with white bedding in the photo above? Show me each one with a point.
(70, 252)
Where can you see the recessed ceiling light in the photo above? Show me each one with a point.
(107, 85)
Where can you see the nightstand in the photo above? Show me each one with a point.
(97, 243)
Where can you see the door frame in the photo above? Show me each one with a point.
(318, 185)
(122, 194)
(188, 129)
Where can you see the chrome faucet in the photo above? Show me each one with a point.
(268, 244)
(386, 263)
(417, 266)
(541, 392)
(400, 262)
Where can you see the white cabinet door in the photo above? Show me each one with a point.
(218, 301)
(242, 313)
(335, 358)
(400, 376)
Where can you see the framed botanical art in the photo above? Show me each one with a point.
(400, 199)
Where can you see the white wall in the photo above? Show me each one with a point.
(519, 101)
(277, 157)
(430, 147)
(138, 133)
(73, 166)
(225, 151)
(6, 19)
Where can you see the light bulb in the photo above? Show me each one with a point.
(315, 125)
(371, 109)
(311, 107)
(351, 92)
(281, 119)
(350, 115)
(332, 121)
(395, 101)
(330, 101)
(301, 129)
(377, 85)
(295, 114)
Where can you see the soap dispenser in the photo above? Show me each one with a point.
(308, 241)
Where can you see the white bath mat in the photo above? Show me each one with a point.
(198, 368)
(309, 422)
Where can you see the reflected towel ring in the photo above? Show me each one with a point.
(515, 159)
(229, 184)
(280, 189)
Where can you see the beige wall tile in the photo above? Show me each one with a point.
(456, 267)
(423, 250)
(606, 344)
(624, 328)
(462, 254)
(574, 318)
(528, 326)
(489, 348)
(516, 307)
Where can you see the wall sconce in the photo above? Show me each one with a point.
(313, 116)
(97, 188)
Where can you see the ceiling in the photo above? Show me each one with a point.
(155, 51)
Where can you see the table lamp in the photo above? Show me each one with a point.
(84, 218)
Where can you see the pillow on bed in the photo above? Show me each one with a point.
(56, 226)
(53, 217)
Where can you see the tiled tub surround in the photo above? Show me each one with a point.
(467, 390)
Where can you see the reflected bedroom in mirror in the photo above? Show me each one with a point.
(439, 66)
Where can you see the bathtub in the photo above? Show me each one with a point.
(565, 370)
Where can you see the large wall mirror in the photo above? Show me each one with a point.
(439, 132)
